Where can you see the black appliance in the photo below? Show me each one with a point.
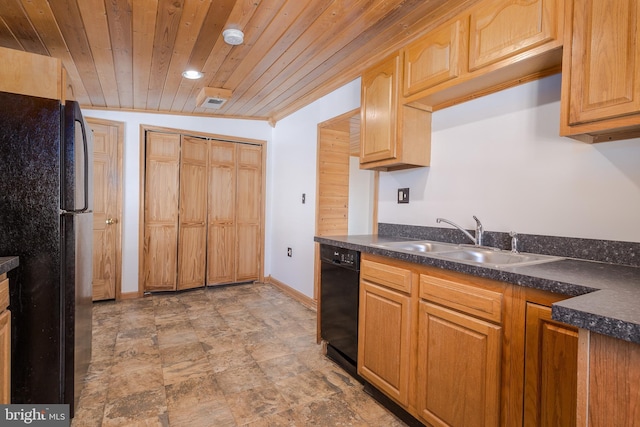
(339, 295)
(46, 219)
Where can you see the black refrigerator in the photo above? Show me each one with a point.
(46, 219)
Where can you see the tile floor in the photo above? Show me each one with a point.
(229, 356)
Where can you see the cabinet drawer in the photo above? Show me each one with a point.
(472, 300)
(4, 292)
(386, 275)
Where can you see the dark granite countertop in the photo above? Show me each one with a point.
(8, 263)
(606, 297)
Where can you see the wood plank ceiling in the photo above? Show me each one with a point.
(130, 54)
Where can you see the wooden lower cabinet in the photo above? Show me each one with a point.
(5, 342)
(459, 359)
(384, 330)
(458, 350)
(608, 381)
(550, 384)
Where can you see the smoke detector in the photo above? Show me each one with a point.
(232, 36)
(211, 97)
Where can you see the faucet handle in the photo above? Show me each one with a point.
(514, 241)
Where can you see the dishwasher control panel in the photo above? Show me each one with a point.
(340, 256)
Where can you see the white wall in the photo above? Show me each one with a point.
(500, 158)
(293, 172)
(361, 190)
(254, 129)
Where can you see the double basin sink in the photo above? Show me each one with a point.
(474, 255)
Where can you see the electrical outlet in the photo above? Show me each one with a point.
(289, 252)
(403, 195)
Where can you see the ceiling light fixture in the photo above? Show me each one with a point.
(233, 37)
(192, 74)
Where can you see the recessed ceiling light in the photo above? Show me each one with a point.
(192, 74)
(232, 36)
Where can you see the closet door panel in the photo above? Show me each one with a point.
(222, 212)
(192, 245)
(249, 212)
(161, 211)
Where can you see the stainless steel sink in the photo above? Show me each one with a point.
(424, 246)
(496, 258)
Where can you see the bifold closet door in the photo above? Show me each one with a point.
(221, 250)
(192, 243)
(249, 212)
(161, 193)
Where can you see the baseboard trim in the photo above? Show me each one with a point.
(130, 295)
(296, 295)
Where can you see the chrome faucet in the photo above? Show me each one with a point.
(476, 240)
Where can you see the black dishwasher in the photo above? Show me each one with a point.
(339, 293)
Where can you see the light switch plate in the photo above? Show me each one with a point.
(403, 195)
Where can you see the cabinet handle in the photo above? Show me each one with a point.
(111, 221)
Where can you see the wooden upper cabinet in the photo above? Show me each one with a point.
(379, 111)
(392, 135)
(31, 74)
(601, 71)
(493, 45)
(501, 29)
(162, 188)
(439, 56)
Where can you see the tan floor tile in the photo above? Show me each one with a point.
(230, 359)
(306, 387)
(135, 407)
(182, 352)
(330, 411)
(235, 380)
(251, 405)
(224, 356)
(135, 381)
(186, 369)
(207, 414)
(192, 392)
(279, 368)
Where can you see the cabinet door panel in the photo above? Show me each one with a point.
(500, 29)
(221, 252)
(384, 340)
(605, 60)
(551, 356)
(379, 111)
(459, 359)
(438, 57)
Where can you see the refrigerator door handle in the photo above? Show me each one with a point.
(73, 115)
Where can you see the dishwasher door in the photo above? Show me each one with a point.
(339, 293)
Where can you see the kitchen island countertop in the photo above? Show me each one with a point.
(8, 263)
(605, 297)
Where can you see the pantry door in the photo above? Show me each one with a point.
(107, 202)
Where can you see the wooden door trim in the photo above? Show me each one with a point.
(119, 163)
(225, 138)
